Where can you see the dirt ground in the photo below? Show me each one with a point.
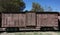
(31, 33)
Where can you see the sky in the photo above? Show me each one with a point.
(54, 4)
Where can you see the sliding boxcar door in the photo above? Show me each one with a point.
(44, 20)
(15, 20)
(22, 20)
(31, 19)
(39, 18)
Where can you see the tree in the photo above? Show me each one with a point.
(12, 5)
(36, 7)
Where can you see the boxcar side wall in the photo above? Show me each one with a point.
(22, 20)
(13, 20)
(47, 20)
(29, 19)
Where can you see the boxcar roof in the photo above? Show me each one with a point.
(33, 12)
(43, 12)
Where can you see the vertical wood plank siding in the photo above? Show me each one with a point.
(29, 19)
(13, 20)
(39, 17)
(47, 19)
(22, 20)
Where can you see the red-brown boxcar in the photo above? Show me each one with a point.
(37, 20)
(13, 20)
(31, 19)
(47, 20)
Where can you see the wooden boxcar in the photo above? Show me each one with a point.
(13, 20)
(47, 20)
(30, 20)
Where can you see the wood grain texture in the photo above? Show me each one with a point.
(31, 19)
(47, 20)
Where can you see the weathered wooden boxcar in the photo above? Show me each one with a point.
(47, 20)
(30, 20)
(13, 20)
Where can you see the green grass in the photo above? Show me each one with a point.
(35, 33)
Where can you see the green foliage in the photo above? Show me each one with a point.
(12, 5)
(36, 7)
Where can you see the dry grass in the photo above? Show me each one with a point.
(31, 33)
